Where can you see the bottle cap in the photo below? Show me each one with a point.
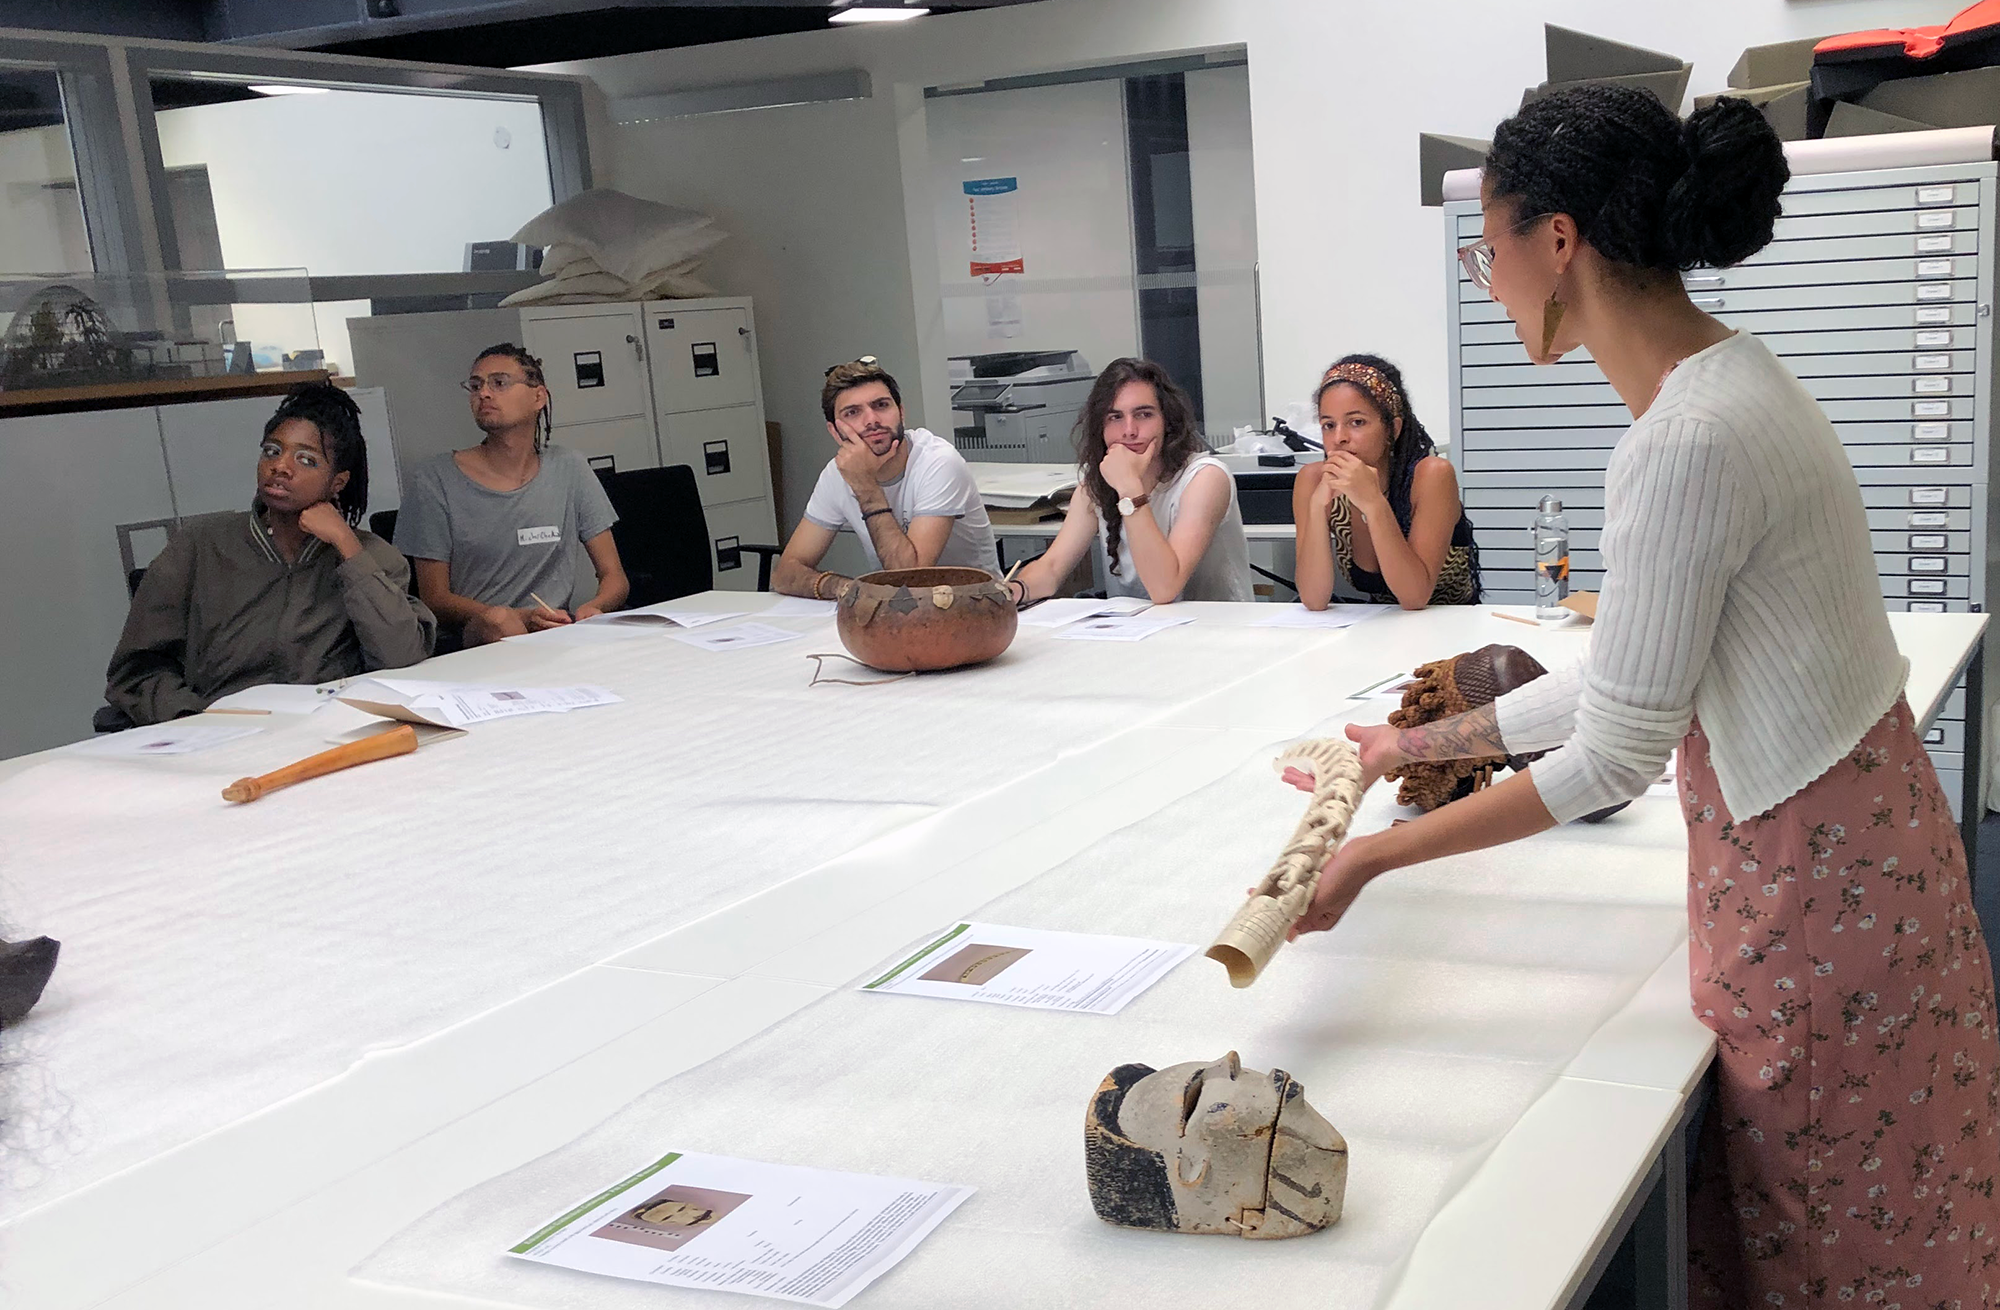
(1550, 505)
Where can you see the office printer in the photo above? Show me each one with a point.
(1018, 406)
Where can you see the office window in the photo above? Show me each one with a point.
(41, 211)
(343, 182)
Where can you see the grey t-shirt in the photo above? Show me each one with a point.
(502, 545)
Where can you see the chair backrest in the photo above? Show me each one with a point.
(661, 533)
(383, 524)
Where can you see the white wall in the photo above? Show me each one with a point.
(43, 224)
(1339, 90)
(351, 182)
(1222, 178)
(1066, 144)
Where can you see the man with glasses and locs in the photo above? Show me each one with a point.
(493, 527)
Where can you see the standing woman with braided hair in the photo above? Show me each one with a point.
(1850, 1151)
(516, 517)
(289, 591)
(1383, 507)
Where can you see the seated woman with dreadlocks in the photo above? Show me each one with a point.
(289, 591)
(1383, 507)
(1160, 508)
(493, 527)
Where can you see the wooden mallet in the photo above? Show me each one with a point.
(400, 740)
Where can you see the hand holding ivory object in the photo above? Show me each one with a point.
(1249, 941)
(400, 740)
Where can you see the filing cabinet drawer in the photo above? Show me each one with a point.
(1541, 438)
(1946, 737)
(1913, 588)
(1584, 458)
(1907, 243)
(1775, 326)
(1518, 515)
(1902, 563)
(1905, 604)
(1850, 200)
(1879, 492)
(1907, 541)
(1911, 456)
(1901, 522)
(1794, 228)
(1476, 307)
(1910, 268)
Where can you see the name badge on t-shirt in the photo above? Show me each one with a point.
(538, 536)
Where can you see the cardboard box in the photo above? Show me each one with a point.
(1783, 107)
(1669, 87)
(1967, 99)
(1853, 120)
(1771, 65)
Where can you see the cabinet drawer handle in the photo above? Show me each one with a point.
(1704, 280)
(1708, 302)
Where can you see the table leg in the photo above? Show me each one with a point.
(1972, 801)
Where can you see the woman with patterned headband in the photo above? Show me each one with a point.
(1383, 507)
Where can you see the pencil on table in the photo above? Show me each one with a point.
(1514, 618)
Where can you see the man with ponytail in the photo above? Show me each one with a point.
(1852, 1148)
(290, 591)
(512, 518)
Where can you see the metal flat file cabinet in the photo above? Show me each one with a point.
(1877, 292)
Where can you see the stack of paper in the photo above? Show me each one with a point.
(743, 634)
(458, 705)
(1033, 968)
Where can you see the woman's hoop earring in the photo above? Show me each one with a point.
(1552, 317)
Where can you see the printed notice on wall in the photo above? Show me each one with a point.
(1003, 316)
(991, 206)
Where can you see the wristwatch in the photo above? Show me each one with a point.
(1129, 505)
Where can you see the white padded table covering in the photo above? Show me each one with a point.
(1448, 1001)
(219, 958)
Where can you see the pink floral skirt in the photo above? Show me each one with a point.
(1851, 1152)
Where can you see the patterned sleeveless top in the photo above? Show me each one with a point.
(1457, 581)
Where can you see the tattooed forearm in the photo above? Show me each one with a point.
(1468, 736)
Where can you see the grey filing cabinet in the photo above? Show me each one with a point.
(1877, 293)
(668, 382)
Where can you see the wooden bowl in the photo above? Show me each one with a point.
(900, 620)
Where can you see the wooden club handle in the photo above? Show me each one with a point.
(400, 740)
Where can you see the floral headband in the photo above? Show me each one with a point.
(1371, 380)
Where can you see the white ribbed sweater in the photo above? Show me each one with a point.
(1739, 587)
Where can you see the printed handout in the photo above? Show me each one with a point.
(1333, 616)
(181, 737)
(1034, 968)
(1122, 627)
(788, 1232)
(743, 635)
(1069, 609)
(459, 705)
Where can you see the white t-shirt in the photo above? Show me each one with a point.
(936, 483)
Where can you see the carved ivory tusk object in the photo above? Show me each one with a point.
(400, 740)
(1259, 928)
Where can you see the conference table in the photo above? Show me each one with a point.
(321, 1049)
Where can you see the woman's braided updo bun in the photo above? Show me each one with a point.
(1645, 188)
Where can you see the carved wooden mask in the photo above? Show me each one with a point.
(1211, 1148)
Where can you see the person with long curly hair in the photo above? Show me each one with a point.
(1159, 507)
(1852, 1147)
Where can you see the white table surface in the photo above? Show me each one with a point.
(274, 1209)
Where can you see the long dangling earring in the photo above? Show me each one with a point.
(1552, 317)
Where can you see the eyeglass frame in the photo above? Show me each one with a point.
(497, 383)
(1477, 259)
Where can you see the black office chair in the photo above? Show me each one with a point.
(663, 539)
(383, 524)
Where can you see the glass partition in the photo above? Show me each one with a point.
(64, 331)
(41, 211)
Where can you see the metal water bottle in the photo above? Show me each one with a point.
(1551, 559)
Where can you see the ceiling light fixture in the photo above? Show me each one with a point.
(860, 13)
(286, 89)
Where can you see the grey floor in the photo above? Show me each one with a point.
(1616, 1290)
